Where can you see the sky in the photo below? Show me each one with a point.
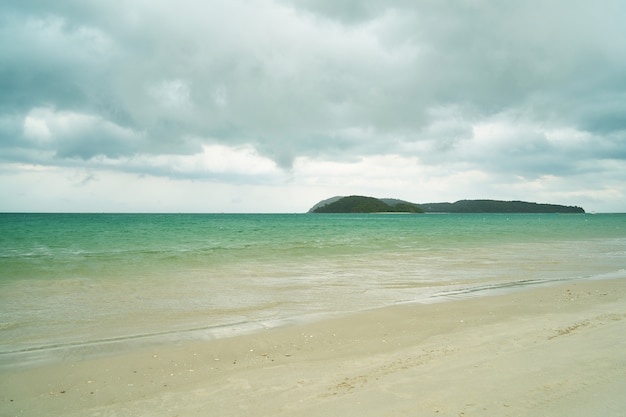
(273, 105)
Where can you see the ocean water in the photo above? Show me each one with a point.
(71, 284)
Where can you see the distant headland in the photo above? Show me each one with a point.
(362, 204)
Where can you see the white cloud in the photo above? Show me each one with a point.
(171, 94)
(214, 159)
(36, 128)
(430, 100)
(74, 134)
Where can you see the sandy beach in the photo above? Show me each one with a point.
(549, 351)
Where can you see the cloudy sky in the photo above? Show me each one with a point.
(273, 105)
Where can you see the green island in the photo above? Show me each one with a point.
(362, 204)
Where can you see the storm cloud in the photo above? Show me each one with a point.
(520, 100)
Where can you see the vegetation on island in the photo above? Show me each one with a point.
(361, 204)
(498, 206)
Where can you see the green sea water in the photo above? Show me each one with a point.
(75, 282)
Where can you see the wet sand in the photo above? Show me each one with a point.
(550, 351)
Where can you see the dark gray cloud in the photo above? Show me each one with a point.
(328, 80)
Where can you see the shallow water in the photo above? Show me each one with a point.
(79, 280)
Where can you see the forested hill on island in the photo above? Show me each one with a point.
(361, 204)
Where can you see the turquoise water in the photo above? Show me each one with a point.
(76, 280)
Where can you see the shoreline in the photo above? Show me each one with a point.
(550, 350)
(119, 345)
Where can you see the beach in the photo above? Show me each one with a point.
(553, 350)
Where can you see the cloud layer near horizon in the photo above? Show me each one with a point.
(293, 101)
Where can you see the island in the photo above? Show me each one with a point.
(362, 204)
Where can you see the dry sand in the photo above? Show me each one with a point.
(552, 351)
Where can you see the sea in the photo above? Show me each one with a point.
(73, 285)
